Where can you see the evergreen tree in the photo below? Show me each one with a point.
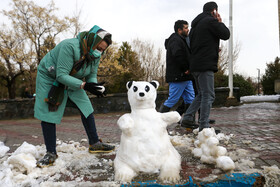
(272, 73)
(131, 69)
(245, 86)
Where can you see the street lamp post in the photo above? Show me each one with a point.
(258, 81)
(230, 66)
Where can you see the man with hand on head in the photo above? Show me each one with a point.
(205, 35)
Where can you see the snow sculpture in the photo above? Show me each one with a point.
(145, 145)
(208, 151)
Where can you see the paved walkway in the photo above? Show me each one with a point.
(256, 129)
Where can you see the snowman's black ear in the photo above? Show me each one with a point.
(129, 84)
(155, 84)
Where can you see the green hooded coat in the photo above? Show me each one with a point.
(56, 67)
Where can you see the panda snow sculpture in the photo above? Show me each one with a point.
(145, 145)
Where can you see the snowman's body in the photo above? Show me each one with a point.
(145, 145)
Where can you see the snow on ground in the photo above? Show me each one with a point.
(76, 167)
(260, 98)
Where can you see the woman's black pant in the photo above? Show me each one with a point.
(49, 132)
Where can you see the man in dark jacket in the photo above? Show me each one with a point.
(177, 67)
(207, 30)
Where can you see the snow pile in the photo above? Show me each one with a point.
(74, 167)
(181, 140)
(3, 149)
(208, 150)
(260, 98)
(272, 175)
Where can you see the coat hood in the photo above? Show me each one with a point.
(171, 36)
(167, 40)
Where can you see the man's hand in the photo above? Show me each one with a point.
(218, 17)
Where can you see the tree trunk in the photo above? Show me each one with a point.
(11, 90)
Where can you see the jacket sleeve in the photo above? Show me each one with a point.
(178, 51)
(92, 77)
(219, 29)
(64, 65)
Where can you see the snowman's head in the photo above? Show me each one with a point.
(141, 94)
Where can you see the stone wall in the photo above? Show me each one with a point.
(23, 108)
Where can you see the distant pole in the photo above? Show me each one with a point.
(162, 74)
(258, 81)
(230, 47)
(279, 20)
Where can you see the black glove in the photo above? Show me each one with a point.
(95, 88)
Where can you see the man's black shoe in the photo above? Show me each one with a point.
(189, 124)
(212, 121)
(192, 126)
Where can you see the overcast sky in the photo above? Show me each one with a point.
(255, 23)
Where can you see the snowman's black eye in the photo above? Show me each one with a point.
(135, 88)
(147, 88)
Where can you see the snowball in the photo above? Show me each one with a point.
(197, 152)
(197, 143)
(219, 151)
(212, 141)
(225, 163)
(208, 132)
(208, 159)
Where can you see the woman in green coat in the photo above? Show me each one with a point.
(63, 76)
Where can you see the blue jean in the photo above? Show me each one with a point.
(204, 99)
(180, 89)
(49, 132)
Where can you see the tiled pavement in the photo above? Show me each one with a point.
(256, 128)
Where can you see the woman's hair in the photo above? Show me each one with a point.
(108, 39)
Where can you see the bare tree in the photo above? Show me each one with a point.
(151, 61)
(13, 59)
(33, 34)
(36, 23)
(224, 58)
(75, 20)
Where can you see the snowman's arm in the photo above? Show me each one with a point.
(171, 117)
(125, 123)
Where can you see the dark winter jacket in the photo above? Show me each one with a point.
(177, 58)
(205, 38)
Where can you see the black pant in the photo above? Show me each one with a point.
(49, 132)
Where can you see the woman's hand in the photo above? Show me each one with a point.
(95, 88)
